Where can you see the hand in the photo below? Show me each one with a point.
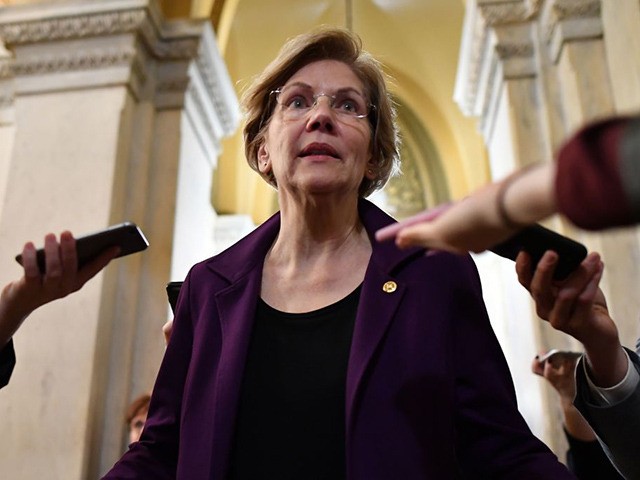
(559, 371)
(471, 224)
(166, 330)
(577, 307)
(61, 277)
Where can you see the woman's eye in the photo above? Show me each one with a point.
(297, 102)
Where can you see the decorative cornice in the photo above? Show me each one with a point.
(141, 20)
(70, 27)
(70, 61)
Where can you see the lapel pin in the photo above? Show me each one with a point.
(389, 287)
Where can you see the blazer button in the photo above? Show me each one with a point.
(389, 287)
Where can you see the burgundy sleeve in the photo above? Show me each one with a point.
(589, 186)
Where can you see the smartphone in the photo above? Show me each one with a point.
(558, 353)
(127, 236)
(173, 290)
(536, 240)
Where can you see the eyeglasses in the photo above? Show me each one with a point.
(297, 100)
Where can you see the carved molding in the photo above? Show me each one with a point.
(78, 60)
(502, 13)
(70, 27)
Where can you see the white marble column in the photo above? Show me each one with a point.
(532, 71)
(99, 112)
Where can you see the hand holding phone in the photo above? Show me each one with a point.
(536, 240)
(126, 236)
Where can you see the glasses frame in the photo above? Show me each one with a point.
(332, 98)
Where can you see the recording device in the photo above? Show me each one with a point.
(536, 240)
(127, 236)
(555, 353)
(173, 290)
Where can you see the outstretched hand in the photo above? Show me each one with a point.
(470, 224)
(61, 277)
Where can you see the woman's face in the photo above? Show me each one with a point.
(314, 147)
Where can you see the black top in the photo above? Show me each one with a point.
(291, 414)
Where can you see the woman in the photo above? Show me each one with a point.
(308, 351)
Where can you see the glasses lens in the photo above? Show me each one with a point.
(350, 103)
(297, 100)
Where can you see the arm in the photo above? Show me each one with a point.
(21, 297)
(577, 307)
(559, 373)
(483, 219)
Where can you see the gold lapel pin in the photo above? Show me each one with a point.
(390, 286)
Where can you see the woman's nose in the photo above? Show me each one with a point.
(322, 116)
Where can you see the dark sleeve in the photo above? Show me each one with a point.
(617, 426)
(7, 362)
(598, 178)
(155, 456)
(493, 439)
(588, 461)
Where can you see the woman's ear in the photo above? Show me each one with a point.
(264, 161)
(371, 170)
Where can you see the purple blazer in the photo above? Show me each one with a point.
(428, 395)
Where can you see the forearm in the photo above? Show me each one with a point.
(575, 423)
(529, 195)
(607, 363)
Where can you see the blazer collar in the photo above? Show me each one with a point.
(250, 251)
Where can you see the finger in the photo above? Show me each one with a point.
(391, 231)
(592, 291)
(541, 285)
(52, 257)
(68, 253)
(30, 262)
(523, 269)
(537, 367)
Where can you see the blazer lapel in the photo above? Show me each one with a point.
(236, 307)
(380, 298)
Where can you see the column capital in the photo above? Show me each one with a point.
(92, 43)
(564, 21)
(498, 44)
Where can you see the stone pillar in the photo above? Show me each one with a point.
(499, 83)
(586, 64)
(532, 71)
(98, 120)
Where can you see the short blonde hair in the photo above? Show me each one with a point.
(326, 43)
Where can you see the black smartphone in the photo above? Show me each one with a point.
(535, 240)
(127, 236)
(173, 290)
